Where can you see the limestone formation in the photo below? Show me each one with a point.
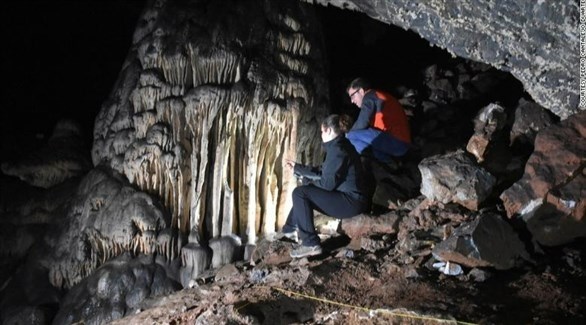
(534, 40)
(116, 289)
(211, 100)
(106, 218)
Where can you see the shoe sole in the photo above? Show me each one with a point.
(314, 253)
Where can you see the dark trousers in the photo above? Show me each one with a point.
(307, 198)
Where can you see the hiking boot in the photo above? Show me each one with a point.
(303, 251)
(287, 236)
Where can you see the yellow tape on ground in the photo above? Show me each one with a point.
(370, 310)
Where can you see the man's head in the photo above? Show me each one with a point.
(356, 90)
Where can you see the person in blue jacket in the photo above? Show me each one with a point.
(336, 189)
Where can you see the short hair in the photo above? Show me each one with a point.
(359, 83)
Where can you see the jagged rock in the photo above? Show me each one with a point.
(207, 108)
(534, 41)
(271, 252)
(62, 158)
(485, 241)
(455, 177)
(116, 289)
(530, 118)
(428, 215)
(558, 158)
(560, 219)
(364, 225)
(487, 124)
(372, 245)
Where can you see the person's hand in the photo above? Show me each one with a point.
(290, 163)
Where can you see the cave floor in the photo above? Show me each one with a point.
(369, 288)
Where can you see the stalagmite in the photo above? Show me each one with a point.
(204, 114)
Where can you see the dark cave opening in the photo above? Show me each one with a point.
(397, 61)
(61, 60)
(359, 46)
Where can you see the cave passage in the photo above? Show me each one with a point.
(359, 46)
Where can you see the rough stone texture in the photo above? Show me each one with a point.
(455, 177)
(530, 118)
(116, 289)
(485, 241)
(487, 124)
(364, 225)
(63, 157)
(559, 158)
(560, 219)
(106, 218)
(211, 100)
(537, 41)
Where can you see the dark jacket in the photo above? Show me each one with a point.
(341, 170)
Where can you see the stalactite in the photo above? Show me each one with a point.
(171, 111)
(122, 121)
(295, 64)
(290, 22)
(205, 123)
(176, 69)
(293, 43)
(143, 121)
(214, 66)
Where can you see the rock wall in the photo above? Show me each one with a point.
(537, 41)
(211, 100)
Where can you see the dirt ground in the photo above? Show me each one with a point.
(344, 286)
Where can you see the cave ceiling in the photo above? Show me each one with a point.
(536, 41)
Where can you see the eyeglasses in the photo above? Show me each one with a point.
(354, 93)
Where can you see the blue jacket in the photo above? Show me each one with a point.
(341, 170)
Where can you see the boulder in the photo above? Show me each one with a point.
(560, 219)
(559, 158)
(455, 177)
(116, 289)
(487, 125)
(487, 240)
(364, 225)
(530, 118)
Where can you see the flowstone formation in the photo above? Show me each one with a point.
(106, 218)
(536, 41)
(211, 100)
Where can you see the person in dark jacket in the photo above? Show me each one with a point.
(382, 125)
(336, 189)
